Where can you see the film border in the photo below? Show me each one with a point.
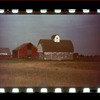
(49, 8)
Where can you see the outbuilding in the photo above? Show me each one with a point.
(5, 54)
(55, 49)
(26, 50)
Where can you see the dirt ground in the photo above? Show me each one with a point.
(50, 74)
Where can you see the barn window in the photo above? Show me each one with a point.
(57, 38)
(3, 53)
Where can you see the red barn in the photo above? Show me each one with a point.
(26, 50)
(5, 54)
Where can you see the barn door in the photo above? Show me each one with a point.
(29, 50)
(15, 53)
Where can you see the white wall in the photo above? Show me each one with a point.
(57, 38)
(39, 48)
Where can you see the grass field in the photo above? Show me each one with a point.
(34, 73)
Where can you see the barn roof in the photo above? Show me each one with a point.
(52, 37)
(5, 51)
(51, 46)
(21, 46)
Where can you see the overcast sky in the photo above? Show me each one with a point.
(82, 30)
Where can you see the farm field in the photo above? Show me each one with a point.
(29, 73)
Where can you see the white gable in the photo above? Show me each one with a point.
(39, 48)
(57, 38)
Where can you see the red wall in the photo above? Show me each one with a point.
(34, 52)
(4, 57)
(23, 52)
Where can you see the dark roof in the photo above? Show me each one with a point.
(51, 46)
(5, 50)
(53, 36)
(21, 46)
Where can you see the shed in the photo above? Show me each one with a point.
(55, 49)
(5, 54)
(26, 50)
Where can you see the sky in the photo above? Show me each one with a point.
(82, 30)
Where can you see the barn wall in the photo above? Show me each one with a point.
(5, 57)
(34, 52)
(23, 52)
(58, 56)
(40, 55)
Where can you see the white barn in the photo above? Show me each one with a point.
(55, 49)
